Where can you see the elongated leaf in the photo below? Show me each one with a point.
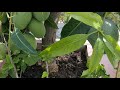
(50, 22)
(110, 55)
(108, 27)
(23, 66)
(89, 18)
(85, 73)
(12, 73)
(113, 46)
(22, 43)
(98, 52)
(3, 17)
(64, 46)
(74, 27)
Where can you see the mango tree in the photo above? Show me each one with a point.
(19, 30)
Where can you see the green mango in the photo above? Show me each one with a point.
(31, 39)
(37, 28)
(41, 16)
(3, 51)
(110, 28)
(22, 19)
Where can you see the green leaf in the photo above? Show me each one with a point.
(85, 73)
(99, 72)
(12, 73)
(19, 57)
(7, 65)
(110, 55)
(3, 17)
(23, 66)
(112, 45)
(31, 59)
(64, 46)
(50, 22)
(74, 27)
(97, 54)
(22, 43)
(3, 73)
(108, 28)
(92, 38)
(89, 18)
(45, 74)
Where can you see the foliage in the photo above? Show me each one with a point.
(99, 72)
(21, 42)
(74, 27)
(69, 44)
(79, 27)
(45, 74)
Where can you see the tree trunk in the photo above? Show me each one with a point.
(50, 32)
(50, 36)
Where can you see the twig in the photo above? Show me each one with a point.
(8, 47)
(117, 69)
(47, 69)
(20, 73)
(9, 53)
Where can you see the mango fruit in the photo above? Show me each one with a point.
(3, 51)
(41, 16)
(31, 39)
(22, 19)
(37, 28)
(110, 28)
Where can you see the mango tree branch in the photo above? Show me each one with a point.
(50, 35)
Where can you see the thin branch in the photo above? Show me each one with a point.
(8, 46)
(20, 73)
(117, 69)
(47, 68)
(9, 53)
